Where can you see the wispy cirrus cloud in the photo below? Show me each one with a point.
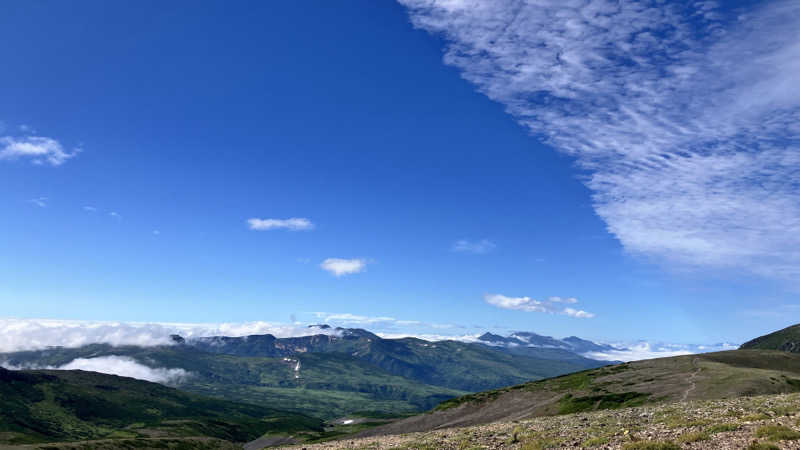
(37, 149)
(350, 319)
(41, 202)
(340, 267)
(552, 305)
(685, 118)
(476, 247)
(291, 224)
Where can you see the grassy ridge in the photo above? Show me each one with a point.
(787, 339)
(721, 375)
(50, 406)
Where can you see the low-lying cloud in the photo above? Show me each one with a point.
(127, 367)
(123, 366)
(35, 334)
(647, 350)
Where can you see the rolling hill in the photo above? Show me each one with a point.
(62, 406)
(787, 339)
(693, 377)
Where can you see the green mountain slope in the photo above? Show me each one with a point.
(692, 377)
(56, 406)
(324, 385)
(787, 340)
(451, 364)
(338, 374)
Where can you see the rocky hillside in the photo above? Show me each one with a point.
(787, 340)
(753, 423)
(693, 377)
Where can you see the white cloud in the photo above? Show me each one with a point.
(383, 323)
(339, 266)
(89, 209)
(115, 365)
(292, 224)
(41, 202)
(115, 215)
(33, 334)
(578, 313)
(553, 305)
(685, 118)
(349, 318)
(477, 247)
(127, 367)
(648, 350)
(37, 149)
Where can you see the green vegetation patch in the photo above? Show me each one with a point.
(696, 436)
(778, 433)
(762, 446)
(722, 428)
(577, 381)
(596, 441)
(651, 445)
(569, 404)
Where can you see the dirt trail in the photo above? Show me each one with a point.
(693, 384)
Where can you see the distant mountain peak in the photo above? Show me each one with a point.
(529, 339)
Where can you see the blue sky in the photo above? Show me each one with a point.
(461, 166)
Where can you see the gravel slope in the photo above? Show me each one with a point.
(760, 423)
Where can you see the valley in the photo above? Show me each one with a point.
(381, 393)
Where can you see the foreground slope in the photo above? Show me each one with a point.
(57, 406)
(755, 423)
(692, 377)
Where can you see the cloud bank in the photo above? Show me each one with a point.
(37, 149)
(123, 366)
(34, 334)
(647, 350)
(126, 367)
(291, 224)
(553, 305)
(685, 119)
(340, 267)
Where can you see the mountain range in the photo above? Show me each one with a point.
(350, 382)
(331, 373)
